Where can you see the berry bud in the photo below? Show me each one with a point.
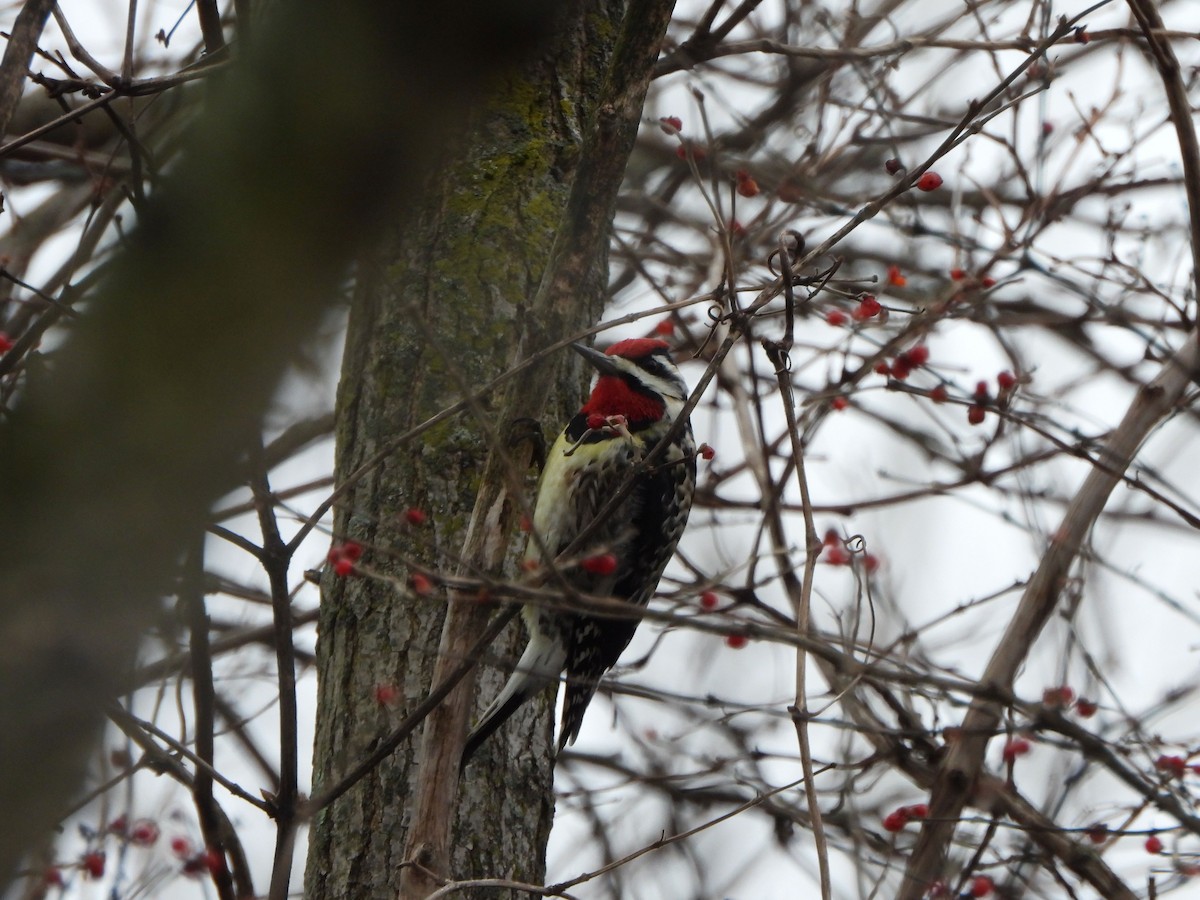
(671, 124)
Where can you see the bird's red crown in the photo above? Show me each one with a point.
(636, 348)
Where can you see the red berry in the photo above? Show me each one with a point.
(901, 368)
(736, 641)
(1154, 844)
(867, 307)
(930, 181)
(835, 317)
(1081, 35)
(386, 693)
(664, 328)
(895, 820)
(1085, 708)
(52, 877)
(883, 368)
(837, 556)
(939, 394)
(93, 864)
(181, 846)
(1098, 834)
(595, 421)
(420, 583)
(1007, 380)
(839, 402)
(893, 166)
(736, 228)
(895, 277)
(917, 810)
(975, 414)
(5, 342)
(118, 826)
(1047, 128)
(870, 563)
(746, 186)
(1058, 697)
(918, 355)
(987, 281)
(981, 886)
(1171, 766)
(343, 566)
(601, 564)
(706, 452)
(671, 124)
(415, 516)
(981, 391)
(957, 274)
(144, 833)
(832, 538)
(1017, 746)
(709, 600)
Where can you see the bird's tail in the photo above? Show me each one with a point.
(540, 665)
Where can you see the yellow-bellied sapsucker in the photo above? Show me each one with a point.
(637, 398)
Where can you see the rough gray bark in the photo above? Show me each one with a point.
(442, 307)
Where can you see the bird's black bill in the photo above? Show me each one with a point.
(600, 362)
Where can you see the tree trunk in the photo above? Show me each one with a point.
(439, 311)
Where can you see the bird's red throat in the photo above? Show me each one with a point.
(612, 396)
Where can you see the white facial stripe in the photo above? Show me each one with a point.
(668, 388)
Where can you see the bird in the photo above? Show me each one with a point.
(637, 399)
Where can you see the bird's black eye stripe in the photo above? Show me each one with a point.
(655, 367)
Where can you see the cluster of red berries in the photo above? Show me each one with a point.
(142, 833)
(1006, 381)
(343, 557)
(962, 275)
(904, 363)
(1063, 697)
(898, 818)
(836, 553)
(1175, 766)
(868, 308)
